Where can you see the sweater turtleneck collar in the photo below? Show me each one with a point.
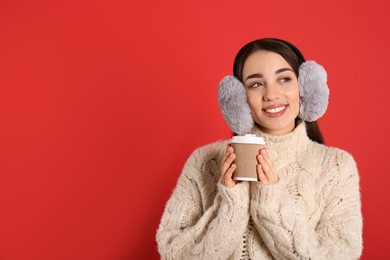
(284, 149)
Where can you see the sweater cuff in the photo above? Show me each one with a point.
(267, 194)
(238, 194)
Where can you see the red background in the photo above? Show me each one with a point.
(101, 102)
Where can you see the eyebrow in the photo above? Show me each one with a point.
(283, 70)
(259, 75)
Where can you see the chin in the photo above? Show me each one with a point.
(278, 128)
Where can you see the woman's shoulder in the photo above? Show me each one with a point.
(205, 153)
(334, 152)
(329, 156)
(202, 166)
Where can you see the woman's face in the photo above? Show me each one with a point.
(272, 92)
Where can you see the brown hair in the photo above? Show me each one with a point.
(293, 57)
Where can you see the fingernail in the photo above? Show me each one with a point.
(264, 151)
(261, 157)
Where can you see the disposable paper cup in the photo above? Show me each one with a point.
(246, 148)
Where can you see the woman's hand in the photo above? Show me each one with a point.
(228, 167)
(265, 168)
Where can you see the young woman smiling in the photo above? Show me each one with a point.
(306, 204)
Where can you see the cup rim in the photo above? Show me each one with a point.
(247, 139)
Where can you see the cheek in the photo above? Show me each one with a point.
(254, 100)
(294, 99)
(291, 95)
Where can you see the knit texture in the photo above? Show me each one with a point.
(313, 212)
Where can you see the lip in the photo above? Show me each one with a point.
(274, 115)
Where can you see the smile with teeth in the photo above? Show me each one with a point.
(275, 110)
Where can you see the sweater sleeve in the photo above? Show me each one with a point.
(287, 231)
(188, 231)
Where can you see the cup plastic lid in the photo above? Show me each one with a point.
(247, 139)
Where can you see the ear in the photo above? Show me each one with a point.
(313, 91)
(234, 106)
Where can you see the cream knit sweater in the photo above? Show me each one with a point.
(313, 212)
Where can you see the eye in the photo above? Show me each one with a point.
(285, 80)
(255, 85)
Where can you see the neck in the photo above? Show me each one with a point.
(277, 132)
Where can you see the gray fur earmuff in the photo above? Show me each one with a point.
(234, 106)
(313, 91)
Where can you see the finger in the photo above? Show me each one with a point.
(267, 158)
(263, 179)
(267, 169)
(228, 162)
(229, 150)
(228, 176)
(226, 152)
(272, 173)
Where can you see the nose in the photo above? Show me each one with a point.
(271, 92)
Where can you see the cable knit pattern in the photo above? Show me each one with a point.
(313, 212)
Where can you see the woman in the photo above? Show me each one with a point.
(307, 202)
